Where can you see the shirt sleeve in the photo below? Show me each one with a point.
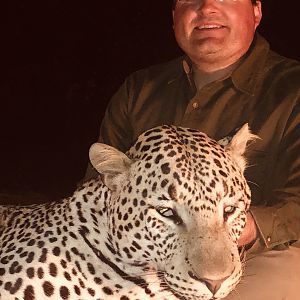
(115, 128)
(279, 221)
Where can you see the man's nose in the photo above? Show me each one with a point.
(208, 5)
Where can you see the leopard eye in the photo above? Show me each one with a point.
(229, 210)
(170, 214)
(165, 212)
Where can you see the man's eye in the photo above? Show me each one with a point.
(170, 214)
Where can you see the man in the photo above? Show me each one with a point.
(229, 77)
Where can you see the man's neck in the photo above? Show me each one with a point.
(204, 77)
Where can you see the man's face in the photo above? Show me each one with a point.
(215, 30)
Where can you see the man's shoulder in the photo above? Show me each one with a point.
(282, 77)
(161, 72)
(279, 64)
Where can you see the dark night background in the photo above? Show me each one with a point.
(61, 62)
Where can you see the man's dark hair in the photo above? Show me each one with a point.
(175, 1)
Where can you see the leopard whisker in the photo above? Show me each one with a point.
(254, 183)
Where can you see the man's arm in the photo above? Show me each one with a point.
(115, 128)
(279, 222)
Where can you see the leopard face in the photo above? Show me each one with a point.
(178, 206)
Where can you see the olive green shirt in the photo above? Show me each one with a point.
(263, 91)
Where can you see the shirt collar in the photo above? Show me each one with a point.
(246, 76)
(188, 70)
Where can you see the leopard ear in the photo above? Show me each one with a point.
(238, 145)
(111, 163)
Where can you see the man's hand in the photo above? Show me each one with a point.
(249, 233)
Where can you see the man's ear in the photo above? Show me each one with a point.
(111, 163)
(173, 19)
(257, 10)
(238, 145)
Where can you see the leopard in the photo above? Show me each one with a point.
(161, 221)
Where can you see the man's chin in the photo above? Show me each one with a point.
(206, 53)
(208, 45)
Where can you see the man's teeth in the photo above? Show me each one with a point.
(209, 26)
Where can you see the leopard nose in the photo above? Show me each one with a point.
(212, 285)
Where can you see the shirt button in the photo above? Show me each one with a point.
(269, 239)
(195, 105)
